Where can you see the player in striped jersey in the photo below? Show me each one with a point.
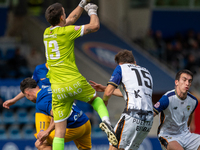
(176, 108)
(39, 75)
(67, 83)
(135, 85)
(78, 125)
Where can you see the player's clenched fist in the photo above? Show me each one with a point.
(91, 8)
(83, 3)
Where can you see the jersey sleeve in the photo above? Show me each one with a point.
(116, 77)
(161, 105)
(195, 105)
(72, 32)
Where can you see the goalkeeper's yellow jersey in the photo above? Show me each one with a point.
(59, 51)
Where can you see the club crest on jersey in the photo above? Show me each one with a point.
(188, 107)
(157, 105)
(77, 27)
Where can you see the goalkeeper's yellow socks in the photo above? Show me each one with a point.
(101, 109)
(58, 143)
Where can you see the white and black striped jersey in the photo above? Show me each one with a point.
(135, 83)
(174, 112)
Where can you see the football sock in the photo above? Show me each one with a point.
(101, 109)
(58, 143)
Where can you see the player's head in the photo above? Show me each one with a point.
(27, 87)
(183, 80)
(55, 13)
(124, 56)
(188, 72)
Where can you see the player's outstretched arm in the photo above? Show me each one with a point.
(108, 92)
(76, 13)
(94, 24)
(12, 101)
(101, 88)
(118, 93)
(98, 87)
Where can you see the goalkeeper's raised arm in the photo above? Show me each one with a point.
(94, 24)
(76, 13)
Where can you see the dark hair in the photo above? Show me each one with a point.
(183, 71)
(124, 56)
(53, 13)
(27, 83)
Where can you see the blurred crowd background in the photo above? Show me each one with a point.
(20, 52)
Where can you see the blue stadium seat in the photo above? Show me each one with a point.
(28, 131)
(28, 103)
(10, 53)
(1, 119)
(14, 132)
(32, 115)
(8, 117)
(22, 116)
(3, 133)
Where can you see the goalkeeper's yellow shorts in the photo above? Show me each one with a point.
(63, 95)
(80, 135)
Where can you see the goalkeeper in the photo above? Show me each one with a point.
(67, 83)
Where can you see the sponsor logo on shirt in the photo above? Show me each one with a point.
(76, 28)
(45, 86)
(42, 79)
(50, 36)
(157, 105)
(137, 94)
